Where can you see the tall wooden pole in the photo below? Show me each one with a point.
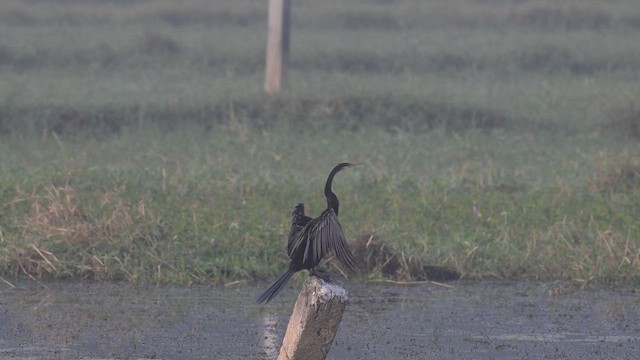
(277, 45)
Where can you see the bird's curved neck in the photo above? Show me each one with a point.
(332, 199)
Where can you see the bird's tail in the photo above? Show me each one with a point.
(271, 292)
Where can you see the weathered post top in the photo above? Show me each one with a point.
(315, 319)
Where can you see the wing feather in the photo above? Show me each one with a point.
(329, 236)
(317, 238)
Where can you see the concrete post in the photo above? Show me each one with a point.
(315, 320)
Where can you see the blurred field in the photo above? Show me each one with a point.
(497, 137)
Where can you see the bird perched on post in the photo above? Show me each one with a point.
(311, 239)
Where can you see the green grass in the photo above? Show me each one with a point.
(132, 207)
(498, 138)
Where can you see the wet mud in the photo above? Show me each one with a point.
(472, 320)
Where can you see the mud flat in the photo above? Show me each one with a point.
(471, 320)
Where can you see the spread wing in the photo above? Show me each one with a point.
(298, 221)
(320, 236)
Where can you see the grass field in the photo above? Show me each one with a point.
(499, 138)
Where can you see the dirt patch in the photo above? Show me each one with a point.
(373, 255)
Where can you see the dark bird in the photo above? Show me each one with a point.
(311, 239)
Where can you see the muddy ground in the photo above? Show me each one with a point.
(471, 320)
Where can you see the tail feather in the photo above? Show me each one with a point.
(272, 291)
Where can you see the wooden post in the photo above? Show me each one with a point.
(277, 45)
(314, 321)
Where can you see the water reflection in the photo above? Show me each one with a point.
(271, 338)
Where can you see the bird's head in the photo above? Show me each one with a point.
(343, 166)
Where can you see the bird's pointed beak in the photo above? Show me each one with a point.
(353, 164)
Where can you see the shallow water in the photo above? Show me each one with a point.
(473, 320)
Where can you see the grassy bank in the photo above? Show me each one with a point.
(215, 206)
(497, 138)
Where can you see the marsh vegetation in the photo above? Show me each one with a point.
(499, 138)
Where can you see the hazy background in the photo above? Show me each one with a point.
(499, 138)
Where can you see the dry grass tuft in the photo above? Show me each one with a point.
(616, 253)
(60, 239)
(56, 214)
(615, 174)
(33, 262)
(54, 218)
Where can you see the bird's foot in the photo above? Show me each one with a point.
(327, 277)
(322, 274)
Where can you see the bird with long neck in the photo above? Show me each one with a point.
(332, 199)
(311, 239)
